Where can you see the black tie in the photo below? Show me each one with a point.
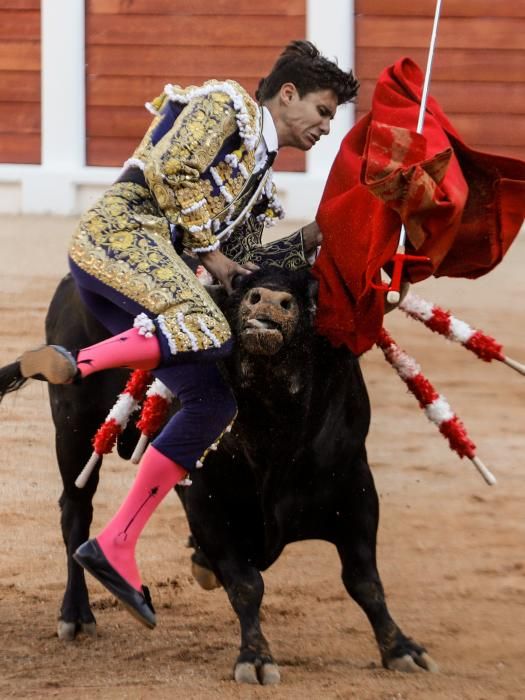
(271, 157)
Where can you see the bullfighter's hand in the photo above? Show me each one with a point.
(312, 237)
(224, 269)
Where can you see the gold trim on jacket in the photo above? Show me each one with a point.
(204, 201)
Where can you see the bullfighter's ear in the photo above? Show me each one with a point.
(218, 293)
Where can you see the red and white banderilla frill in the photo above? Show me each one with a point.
(443, 322)
(433, 404)
(116, 421)
(153, 416)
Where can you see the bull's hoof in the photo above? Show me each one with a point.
(204, 577)
(413, 663)
(269, 674)
(263, 674)
(68, 631)
(89, 629)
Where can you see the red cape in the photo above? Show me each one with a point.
(461, 208)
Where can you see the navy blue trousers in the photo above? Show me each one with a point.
(207, 402)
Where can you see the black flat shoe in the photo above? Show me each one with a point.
(90, 556)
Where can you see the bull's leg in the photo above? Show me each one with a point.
(75, 612)
(78, 411)
(216, 525)
(361, 579)
(357, 549)
(75, 427)
(245, 588)
(201, 569)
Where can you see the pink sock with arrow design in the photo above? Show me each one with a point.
(128, 349)
(156, 476)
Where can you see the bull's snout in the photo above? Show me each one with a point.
(260, 296)
(268, 317)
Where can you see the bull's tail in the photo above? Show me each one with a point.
(11, 379)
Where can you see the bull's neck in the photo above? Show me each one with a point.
(280, 382)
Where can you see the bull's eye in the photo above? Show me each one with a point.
(255, 298)
(286, 304)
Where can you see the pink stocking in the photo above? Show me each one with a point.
(157, 475)
(128, 349)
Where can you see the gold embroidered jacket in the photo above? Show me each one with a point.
(198, 159)
(202, 182)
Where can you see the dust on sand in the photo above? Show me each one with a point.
(450, 547)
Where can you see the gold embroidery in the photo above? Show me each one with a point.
(174, 167)
(145, 145)
(233, 184)
(245, 245)
(248, 160)
(133, 254)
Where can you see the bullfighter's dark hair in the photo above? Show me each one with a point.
(302, 64)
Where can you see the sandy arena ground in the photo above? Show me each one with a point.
(450, 547)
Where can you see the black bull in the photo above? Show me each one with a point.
(293, 468)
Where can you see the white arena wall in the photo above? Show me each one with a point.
(63, 184)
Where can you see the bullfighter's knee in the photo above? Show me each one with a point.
(208, 407)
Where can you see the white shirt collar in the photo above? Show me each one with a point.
(269, 131)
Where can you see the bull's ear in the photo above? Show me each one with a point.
(218, 293)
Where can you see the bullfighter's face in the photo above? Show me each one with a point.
(303, 120)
